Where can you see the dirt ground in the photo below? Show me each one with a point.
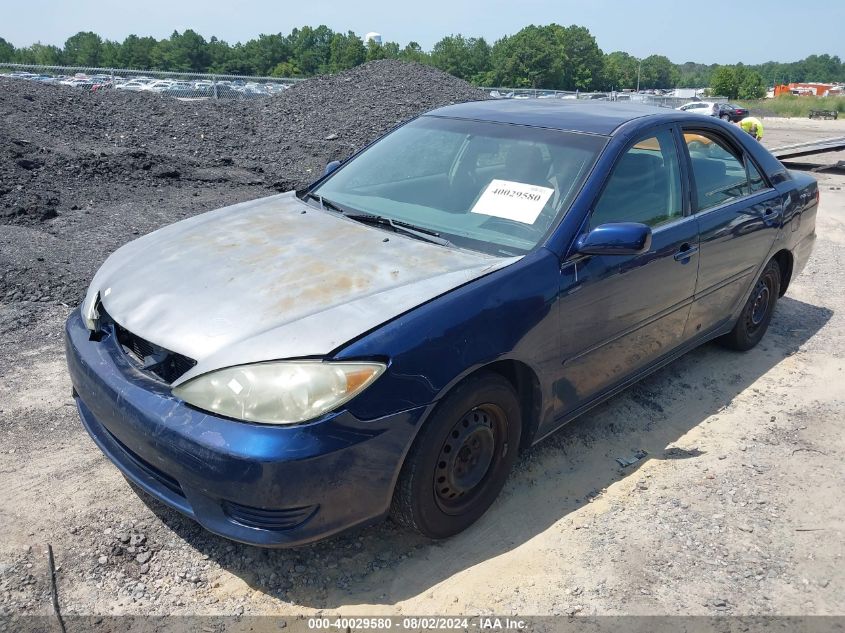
(736, 509)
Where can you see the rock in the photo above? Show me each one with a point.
(143, 557)
(118, 146)
(26, 163)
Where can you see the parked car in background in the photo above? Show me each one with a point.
(731, 112)
(387, 339)
(136, 84)
(707, 108)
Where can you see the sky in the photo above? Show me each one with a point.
(683, 30)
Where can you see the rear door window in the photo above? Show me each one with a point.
(718, 170)
(755, 178)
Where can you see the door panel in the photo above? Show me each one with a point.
(735, 240)
(739, 218)
(621, 313)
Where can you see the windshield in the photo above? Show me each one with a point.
(492, 187)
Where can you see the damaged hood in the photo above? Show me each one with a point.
(270, 279)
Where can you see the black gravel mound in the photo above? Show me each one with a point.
(82, 173)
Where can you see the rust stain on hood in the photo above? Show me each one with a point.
(270, 279)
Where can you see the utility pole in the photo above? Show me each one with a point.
(639, 65)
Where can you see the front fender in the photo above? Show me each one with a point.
(509, 314)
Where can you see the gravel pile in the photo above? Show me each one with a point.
(82, 173)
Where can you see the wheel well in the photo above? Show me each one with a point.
(784, 261)
(527, 387)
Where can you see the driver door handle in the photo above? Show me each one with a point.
(686, 251)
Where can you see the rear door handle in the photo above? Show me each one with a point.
(685, 252)
(770, 215)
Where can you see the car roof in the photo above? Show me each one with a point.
(593, 117)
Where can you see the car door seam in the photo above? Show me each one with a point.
(641, 324)
(725, 282)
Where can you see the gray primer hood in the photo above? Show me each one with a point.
(270, 279)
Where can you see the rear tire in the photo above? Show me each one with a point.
(461, 458)
(757, 313)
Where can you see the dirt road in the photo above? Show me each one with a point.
(736, 509)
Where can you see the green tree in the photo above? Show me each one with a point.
(219, 55)
(162, 55)
(136, 52)
(620, 71)
(286, 69)
(750, 84)
(694, 75)
(111, 54)
(657, 71)
(531, 58)
(346, 51)
(585, 60)
(7, 51)
(311, 49)
(188, 51)
(724, 82)
(413, 52)
(261, 55)
(391, 50)
(467, 58)
(41, 54)
(83, 49)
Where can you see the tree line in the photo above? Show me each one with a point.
(547, 56)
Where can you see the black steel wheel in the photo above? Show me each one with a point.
(757, 313)
(461, 458)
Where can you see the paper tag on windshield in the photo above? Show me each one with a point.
(513, 201)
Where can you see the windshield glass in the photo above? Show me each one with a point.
(491, 187)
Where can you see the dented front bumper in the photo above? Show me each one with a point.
(258, 484)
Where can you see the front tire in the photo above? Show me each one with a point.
(757, 313)
(461, 458)
(726, 117)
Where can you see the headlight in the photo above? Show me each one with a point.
(89, 310)
(284, 392)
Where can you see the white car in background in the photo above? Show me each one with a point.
(707, 108)
(158, 86)
(135, 84)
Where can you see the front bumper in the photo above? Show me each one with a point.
(258, 484)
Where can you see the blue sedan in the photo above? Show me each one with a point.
(385, 341)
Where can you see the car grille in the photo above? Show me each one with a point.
(279, 519)
(155, 361)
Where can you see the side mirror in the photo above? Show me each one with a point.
(616, 238)
(330, 167)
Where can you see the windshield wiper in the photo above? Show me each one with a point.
(324, 203)
(399, 226)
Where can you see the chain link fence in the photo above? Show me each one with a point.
(662, 100)
(178, 85)
(181, 85)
